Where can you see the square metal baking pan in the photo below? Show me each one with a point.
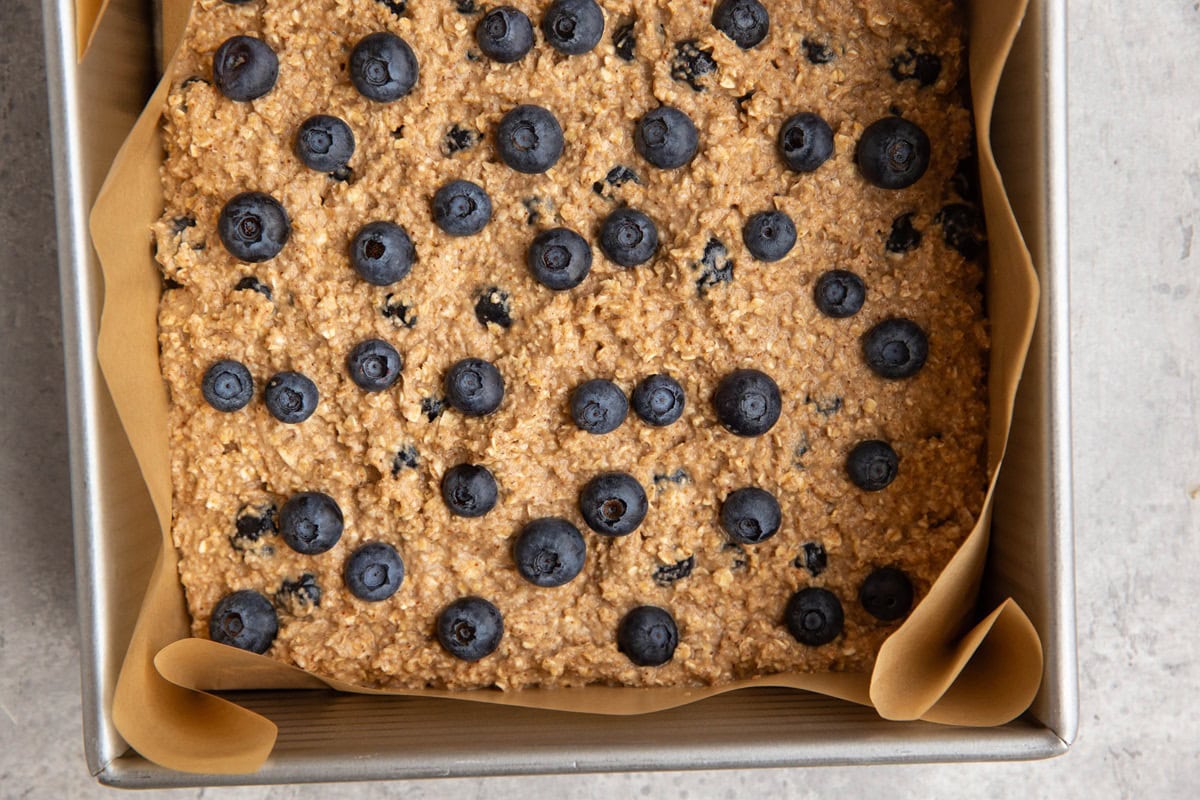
(325, 736)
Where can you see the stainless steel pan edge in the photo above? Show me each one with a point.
(326, 737)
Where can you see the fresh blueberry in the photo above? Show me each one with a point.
(504, 34)
(474, 387)
(549, 552)
(598, 406)
(769, 235)
(573, 27)
(628, 237)
(560, 258)
(814, 616)
(648, 636)
(383, 67)
(658, 400)
(227, 385)
(470, 628)
(896, 348)
(872, 465)
(374, 572)
(805, 142)
(291, 397)
(462, 208)
(324, 143)
(893, 153)
(886, 594)
(839, 293)
(904, 237)
(254, 227)
(613, 504)
(691, 62)
(747, 402)
(469, 490)
(244, 619)
(382, 253)
(750, 515)
(374, 365)
(744, 21)
(666, 137)
(245, 68)
(310, 523)
(494, 306)
(529, 139)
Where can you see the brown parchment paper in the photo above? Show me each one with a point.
(942, 665)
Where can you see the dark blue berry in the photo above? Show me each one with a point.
(667, 574)
(666, 137)
(397, 7)
(254, 227)
(839, 293)
(893, 153)
(886, 594)
(493, 306)
(814, 616)
(310, 522)
(715, 266)
(613, 504)
(690, 63)
(962, 229)
(628, 237)
(814, 558)
(549, 552)
(227, 385)
(324, 143)
(598, 406)
(769, 235)
(924, 68)
(245, 68)
(750, 515)
(896, 348)
(374, 365)
(252, 524)
(407, 457)
(244, 619)
(744, 21)
(432, 407)
(504, 34)
(253, 284)
(383, 67)
(624, 41)
(648, 636)
(904, 236)
(303, 592)
(529, 139)
(573, 27)
(462, 208)
(805, 142)
(458, 139)
(291, 397)
(382, 253)
(470, 628)
(398, 311)
(658, 400)
(559, 258)
(872, 465)
(374, 572)
(474, 387)
(817, 52)
(747, 402)
(469, 490)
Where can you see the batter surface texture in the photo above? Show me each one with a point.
(699, 309)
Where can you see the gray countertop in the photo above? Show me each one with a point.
(1135, 271)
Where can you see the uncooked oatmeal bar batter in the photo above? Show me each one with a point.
(553, 344)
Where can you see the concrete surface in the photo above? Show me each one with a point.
(1135, 184)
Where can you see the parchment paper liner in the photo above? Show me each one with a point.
(937, 666)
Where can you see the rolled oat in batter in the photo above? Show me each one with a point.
(721, 292)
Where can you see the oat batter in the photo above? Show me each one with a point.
(700, 308)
